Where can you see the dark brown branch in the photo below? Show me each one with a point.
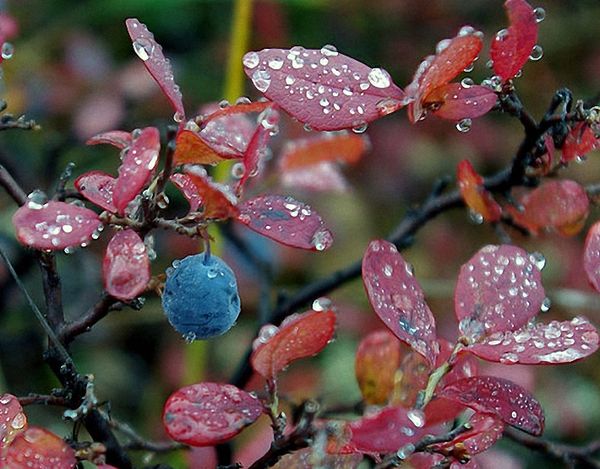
(42, 399)
(12, 187)
(84, 324)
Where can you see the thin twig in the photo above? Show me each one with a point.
(83, 324)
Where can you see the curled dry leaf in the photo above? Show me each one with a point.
(299, 336)
(500, 397)
(97, 187)
(309, 458)
(323, 88)
(397, 298)
(540, 344)
(286, 221)
(38, 448)
(54, 225)
(476, 196)
(206, 414)
(126, 267)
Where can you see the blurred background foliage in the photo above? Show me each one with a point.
(74, 71)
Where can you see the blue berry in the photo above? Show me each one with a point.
(201, 298)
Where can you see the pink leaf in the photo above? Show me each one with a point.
(137, 168)
(54, 225)
(12, 420)
(299, 336)
(499, 289)
(186, 185)
(386, 431)
(591, 256)
(397, 298)
(324, 176)
(126, 267)
(206, 414)
(229, 134)
(500, 397)
(512, 47)
(323, 88)
(155, 62)
(485, 430)
(542, 344)
(38, 448)
(116, 138)
(580, 140)
(286, 221)
(455, 101)
(98, 188)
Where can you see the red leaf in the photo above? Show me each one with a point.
(377, 360)
(229, 134)
(217, 200)
(150, 52)
(206, 414)
(126, 267)
(397, 298)
(12, 420)
(286, 221)
(305, 459)
(386, 431)
(499, 289)
(190, 147)
(485, 431)
(38, 448)
(116, 138)
(139, 163)
(455, 102)
(323, 88)
(554, 343)
(342, 147)
(186, 185)
(562, 206)
(236, 109)
(324, 176)
(98, 188)
(580, 140)
(500, 397)
(54, 225)
(299, 336)
(512, 47)
(452, 58)
(591, 256)
(474, 193)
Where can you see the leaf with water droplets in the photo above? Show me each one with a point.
(98, 188)
(286, 221)
(559, 205)
(540, 344)
(323, 88)
(435, 71)
(398, 299)
(511, 47)
(580, 140)
(116, 138)
(206, 414)
(12, 420)
(385, 431)
(38, 448)
(455, 101)
(150, 52)
(377, 359)
(236, 109)
(139, 163)
(190, 147)
(485, 430)
(227, 136)
(591, 256)
(186, 186)
(126, 267)
(54, 225)
(498, 289)
(474, 193)
(324, 176)
(305, 459)
(216, 200)
(299, 336)
(500, 397)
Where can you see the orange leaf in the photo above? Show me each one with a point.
(474, 193)
(191, 148)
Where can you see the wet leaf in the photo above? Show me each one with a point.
(192, 148)
(591, 256)
(116, 138)
(228, 135)
(561, 206)
(323, 88)
(206, 414)
(12, 420)
(150, 52)
(310, 458)
(286, 221)
(398, 299)
(540, 344)
(38, 448)
(139, 163)
(299, 336)
(498, 289)
(126, 267)
(486, 430)
(455, 102)
(186, 186)
(98, 188)
(54, 225)
(511, 47)
(377, 360)
(476, 196)
(324, 176)
(580, 140)
(217, 200)
(500, 397)
(236, 109)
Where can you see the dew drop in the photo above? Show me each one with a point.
(442, 45)
(388, 270)
(275, 63)
(475, 217)
(321, 304)
(178, 117)
(8, 50)
(387, 106)
(379, 78)
(212, 273)
(417, 417)
(536, 53)
(546, 304)
(464, 125)
(466, 30)
(360, 128)
(143, 48)
(261, 80)
(540, 14)
(329, 50)
(405, 451)
(189, 337)
(467, 82)
(502, 35)
(538, 259)
(290, 80)
(251, 60)
(266, 332)
(237, 170)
